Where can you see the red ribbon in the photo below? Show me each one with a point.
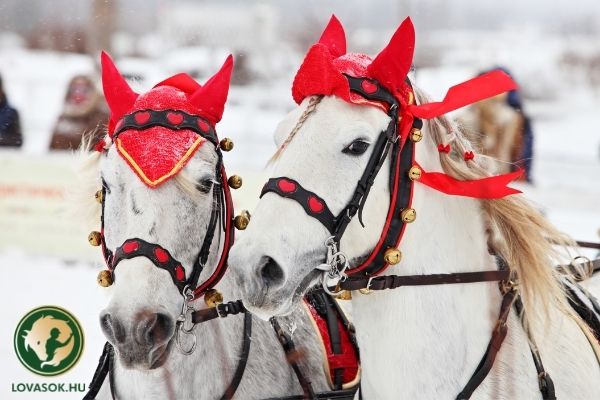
(463, 94)
(493, 187)
(444, 148)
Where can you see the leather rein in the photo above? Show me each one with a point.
(366, 276)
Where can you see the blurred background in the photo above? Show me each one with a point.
(50, 94)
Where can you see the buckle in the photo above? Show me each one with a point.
(367, 290)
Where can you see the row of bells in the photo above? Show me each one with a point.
(392, 256)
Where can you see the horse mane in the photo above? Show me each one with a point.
(518, 232)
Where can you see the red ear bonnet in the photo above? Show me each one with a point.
(392, 64)
(119, 95)
(157, 151)
(211, 98)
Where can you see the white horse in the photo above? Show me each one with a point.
(140, 319)
(420, 342)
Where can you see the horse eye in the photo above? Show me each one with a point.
(204, 185)
(356, 148)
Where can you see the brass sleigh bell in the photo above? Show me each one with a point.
(105, 278)
(408, 215)
(241, 221)
(95, 238)
(235, 181)
(392, 256)
(414, 173)
(213, 298)
(226, 144)
(416, 135)
(99, 196)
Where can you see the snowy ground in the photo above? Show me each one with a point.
(567, 189)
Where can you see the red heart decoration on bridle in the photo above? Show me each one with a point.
(203, 125)
(315, 204)
(131, 246)
(286, 186)
(175, 118)
(142, 117)
(368, 87)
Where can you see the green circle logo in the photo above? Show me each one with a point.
(48, 340)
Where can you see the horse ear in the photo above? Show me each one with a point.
(334, 37)
(392, 64)
(211, 97)
(119, 95)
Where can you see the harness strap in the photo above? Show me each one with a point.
(344, 394)
(292, 358)
(100, 373)
(498, 335)
(545, 382)
(241, 367)
(220, 310)
(395, 281)
(104, 367)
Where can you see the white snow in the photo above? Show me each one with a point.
(566, 169)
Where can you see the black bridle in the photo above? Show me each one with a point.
(365, 277)
(221, 209)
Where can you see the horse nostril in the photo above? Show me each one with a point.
(112, 328)
(271, 272)
(153, 329)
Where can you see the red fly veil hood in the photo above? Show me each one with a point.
(159, 131)
(324, 71)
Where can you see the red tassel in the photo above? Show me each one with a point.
(100, 146)
(469, 155)
(444, 148)
(493, 187)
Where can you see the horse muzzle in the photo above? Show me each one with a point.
(142, 342)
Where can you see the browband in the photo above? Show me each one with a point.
(170, 119)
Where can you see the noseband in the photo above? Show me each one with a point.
(221, 212)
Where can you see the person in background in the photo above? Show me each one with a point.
(10, 126)
(506, 129)
(84, 116)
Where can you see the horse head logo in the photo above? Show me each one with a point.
(51, 339)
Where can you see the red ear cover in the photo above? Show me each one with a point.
(211, 97)
(119, 95)
(334, 37)
(392, 64)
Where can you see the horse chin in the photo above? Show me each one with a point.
(283, 301)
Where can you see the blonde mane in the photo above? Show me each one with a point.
(518, 232)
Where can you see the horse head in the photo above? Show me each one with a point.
(357, 119)
(164, 192)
